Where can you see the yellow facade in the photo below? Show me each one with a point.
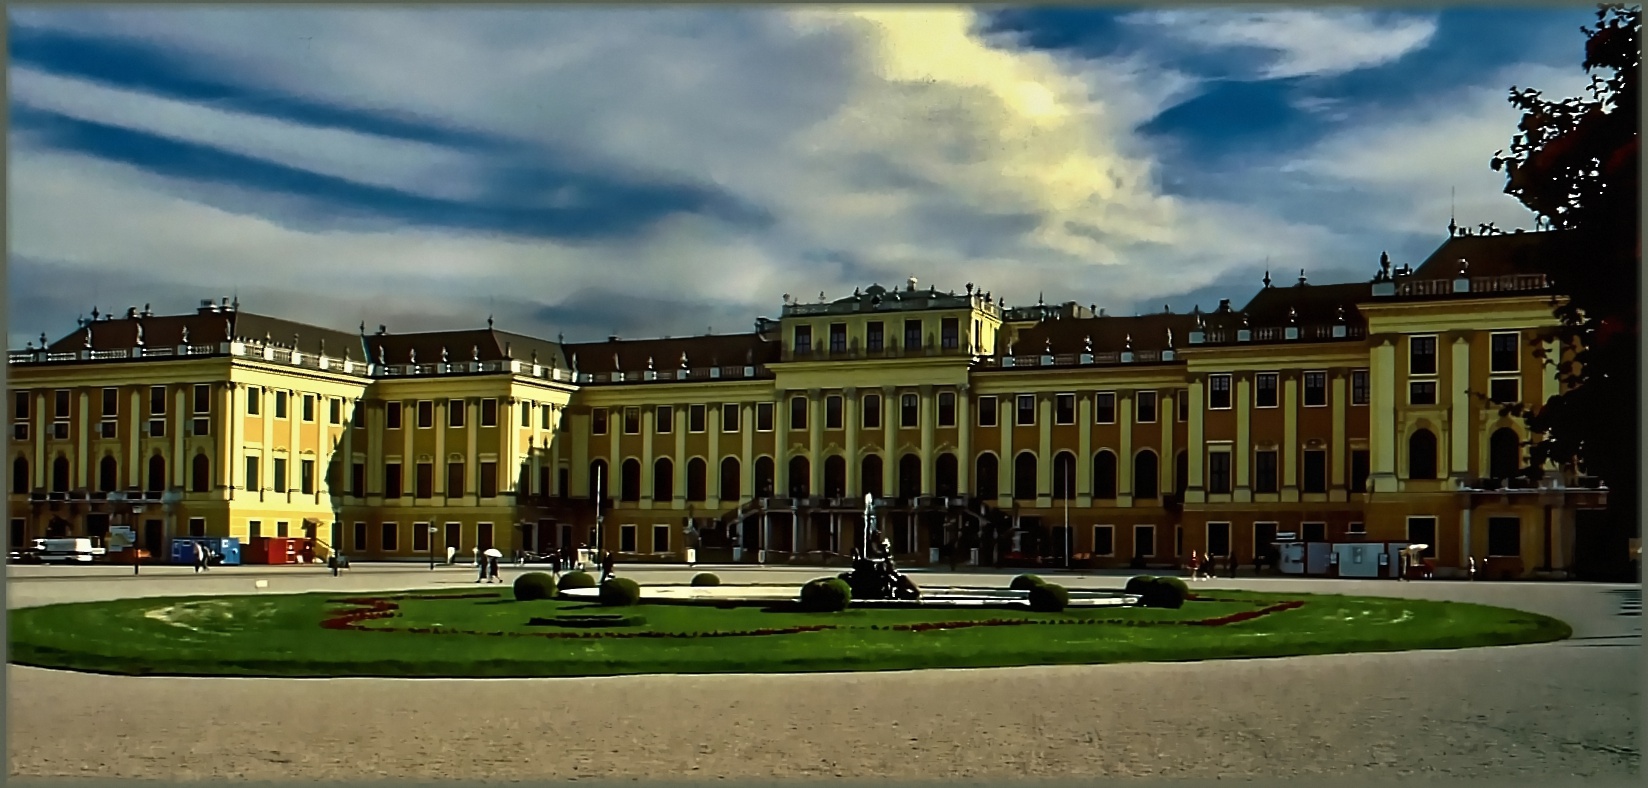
(1352, 412)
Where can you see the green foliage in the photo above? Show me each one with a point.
(573, 580)
(1160, 593)
(1026, 582)
(1136, 585)
(1049, 598)
(1178, 585)
(826, 595)
(620, 592)
(705, 579)
(534, 586)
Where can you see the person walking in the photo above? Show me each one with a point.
(609, 563)
(555, 561)
(1195, 565)
(1471, 566)
(482, 565)
(495, 575)
(199, 557)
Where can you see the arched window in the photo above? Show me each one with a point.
(157, 473)
(200, 474)
(629, 482)
(697, 479)
(730, 491)
(1181, 473)
(1145, 476)
(1104, 475)
(1422, 455)
(764, 472)
(869, 475)
(988, 478)
(663, 480)
(60, 475)
(599, 485)
(909, 476)
(801, 476)
(1024, 476)
(1504, 454)
(835, 476)
(1064, 476)
(20, 476)
(108, 474)
(945, 475)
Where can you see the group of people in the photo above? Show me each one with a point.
(1203, 568)
(565, 559)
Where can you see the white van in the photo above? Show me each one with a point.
(77, 550)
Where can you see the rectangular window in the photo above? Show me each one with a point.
(798, 413)
(254, 400)
(729, 417)
(1026, 414)
(420, 537)
(1314, 532)
(1264, 471)
(426, 414)
(254, 529)
(1421, 355)
(833, 412)
(1503, 352)
(1144, 541)
(626, 538)
(20, 404)
(526, 414)
(306, 485)
(360, 537)
(660, 538)
(1505, 390)
(1359, 470)
(253, 465)
(157, 402)
(1358, 528)
(1316, 471)
(763, 417)
(202, 400)
(60, 430)
(357, 479)
(987, 413)
(1218, 392)
(334, 406)
(1504, 537)
(912, 335)
(546, 417)
(1104, 540)
(874, 336)
(697, 418)
(489, 412)
(1218, 472)
(598, 421)
(357, 415)
(391, 415)
(838, 337)
(1422, 530)
(1265, 390)
(308, 407)
(1145, 405)
(1218, 539)
(663, 418)
(280, 404)
(1359, 394)
(1264, 536)
(20, 431)
(950, 333)
(424, 483)
(803, 339)
(872, 412)
(392, 487)
(1182, 406)
(1104, 407)
(632, 421)
(909, 411)
(455, 480)
(455, 413)
(200, 427)
(281, 529)
(1316, 389)
(280, 475)
(1064, 409)
(105, 429)
(390, 537)
(1422, 392)
(946, 409)
(489, 480)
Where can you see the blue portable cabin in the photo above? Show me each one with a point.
(227, 551)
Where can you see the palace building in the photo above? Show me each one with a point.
(1365, 411)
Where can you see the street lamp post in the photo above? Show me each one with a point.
(131, 523)
(432, 531)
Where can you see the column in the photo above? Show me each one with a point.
(781, 443)
(679, 463)
(746, 465)
(577, 431)
(1465, 538)
(815, 442)
(964, 440)
(712, 462)
(266, 458)
(442, 419)
(1044, 449)
(559, 422)
(1166, 413)
(614, 461)
(1196, 443)
(889, 426)
(180, 418)
(1084, 449)
(509, 439)
(1459, 408)
(472, 452)
(1005, 406)
(1243, 459)
(85, 447)
(409, 456)
(929, 419)
(648, 425)
(1290, 436)
(1124, 456)
(229, 442)
(1382, 415)
(42, 462)
(1338, 453)
(375, 437)
(850, 420)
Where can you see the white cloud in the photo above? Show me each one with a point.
(1299, 42)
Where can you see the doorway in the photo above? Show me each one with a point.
(154, 537)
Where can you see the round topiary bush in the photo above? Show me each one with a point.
(1136, 585)
(1049, 598)
(573, 580)
(1160, 594)
(620, 592)
(826, 595)
(705, 579)
(534, 586)
(1178, 585)
(1026, 582)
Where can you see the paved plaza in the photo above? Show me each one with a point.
(1569, 709)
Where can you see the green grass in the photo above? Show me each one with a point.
(281, 635)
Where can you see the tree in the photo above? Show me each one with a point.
(1575, 165)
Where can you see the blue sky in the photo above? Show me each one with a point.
(675, 170)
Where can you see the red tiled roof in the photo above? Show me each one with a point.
(1107, 334)
(719, 350)
(1495, 255)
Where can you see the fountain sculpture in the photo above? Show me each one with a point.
(875, 575)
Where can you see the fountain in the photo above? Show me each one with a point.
(875, 576)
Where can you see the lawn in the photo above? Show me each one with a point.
(488, 634)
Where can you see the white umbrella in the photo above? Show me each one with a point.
(493, 552)
(1415, 549)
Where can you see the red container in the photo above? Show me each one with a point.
(276, 550)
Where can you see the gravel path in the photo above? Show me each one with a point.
(1558, 710)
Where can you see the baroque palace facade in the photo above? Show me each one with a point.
(1335, 412)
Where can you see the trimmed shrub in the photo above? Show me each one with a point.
(1026, 582)
(1136, 585)
(705, 579)
(1049, 598)
(826, 595)
(1178, 584)
(534, 586)
(1160, 594)
(620, 592)
(573, 580)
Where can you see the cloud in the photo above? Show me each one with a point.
(1298, 42)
